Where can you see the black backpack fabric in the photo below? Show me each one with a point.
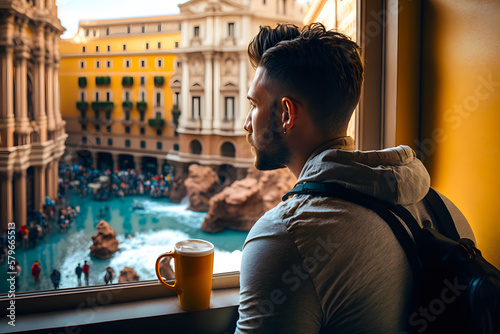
(456, 289)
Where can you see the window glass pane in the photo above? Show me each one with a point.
(68, 245)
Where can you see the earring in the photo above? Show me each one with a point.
(284, 131)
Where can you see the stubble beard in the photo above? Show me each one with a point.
(274, 154)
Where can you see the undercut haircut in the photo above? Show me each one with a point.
(321, 69)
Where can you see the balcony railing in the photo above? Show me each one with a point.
(156, 122)
(141, 106)
(82, 106)
(102, 106)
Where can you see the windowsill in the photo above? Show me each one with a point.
(134, 307)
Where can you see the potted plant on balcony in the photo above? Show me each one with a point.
(176, 113)
(127, 81)
(82, 82)
(159, 81)
(141, 106)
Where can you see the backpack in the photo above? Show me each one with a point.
(455, 289)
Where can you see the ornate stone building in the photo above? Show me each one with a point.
(32, 131)
(211, 82)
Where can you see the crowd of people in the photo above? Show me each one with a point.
(104, 184)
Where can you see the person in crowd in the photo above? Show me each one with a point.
(36, 270)
(109, 275)
(331, 266)
(86, 271)
(55, 277)
(78, 272)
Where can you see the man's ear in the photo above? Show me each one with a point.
(289, 113)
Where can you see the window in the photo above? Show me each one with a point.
(108, 128)
(143, 144)
(196, 110)
(158, 132)
(108, 64)
(159, 62)
(97, 48)
(176, 99)
(143, 81)
(128, 29)
(195, 147)
(143, 28)
(84, 140)
(127, 96)
(176, 44)
(127, 129)
(147, 46)
(142, 131)
(143, 63)
(87, 32)
(97, 64)
(108, 96)
(176, 147)
(109, 48)
(83, 49)
(159, 145)
(158, 99)
(107, 32)
(197, 31)
(95, 32)
(83, 64)
(82, 96)
(98, 128)
(230, 29)
(229, 108)
(127, 143)
(84, 127)
(110, 142)
(124, 47)
(126, 63)
(97, 96)
(97, 140)
(159, 26)
(143, 96)
(227, 150)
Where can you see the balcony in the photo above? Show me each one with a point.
(176, 113)
(82, 82)
(157, 123)
(105, 106)
(159, 81)
(141, 106)
(127, 81)
(127, 106)
(82, 106)
(102, 81)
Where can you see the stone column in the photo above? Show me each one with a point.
(138, 163)
(49, 75)
(184, 105)
(6, 196)
(94, 158)
(216, 92)
(206, 121)
(49, 175)
(39, 181)
(20, 189)
(7, 80)
(242, 110)
(55, 178)
(116, 161)
(159, 166)
(39, 84)
(22, 127)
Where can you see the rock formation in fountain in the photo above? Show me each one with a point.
(104, 242)
(239, 206)
(201, 184)
(128, 275)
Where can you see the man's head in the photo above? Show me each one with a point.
(314, 71)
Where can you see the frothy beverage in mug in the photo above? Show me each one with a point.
(193, 263)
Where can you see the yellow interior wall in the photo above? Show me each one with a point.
(461, 110)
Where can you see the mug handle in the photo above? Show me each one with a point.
(170, 286)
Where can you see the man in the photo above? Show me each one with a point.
(78, 272)
(319, 264)
(85, 271)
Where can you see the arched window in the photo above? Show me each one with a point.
(195, 147)
(227, 150)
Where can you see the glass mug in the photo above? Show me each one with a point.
(194, 263)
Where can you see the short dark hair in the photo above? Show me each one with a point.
(320, 68)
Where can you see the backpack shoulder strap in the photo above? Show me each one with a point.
(381, 208)
(445, 222)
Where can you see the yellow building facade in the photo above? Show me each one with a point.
(115, 96)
